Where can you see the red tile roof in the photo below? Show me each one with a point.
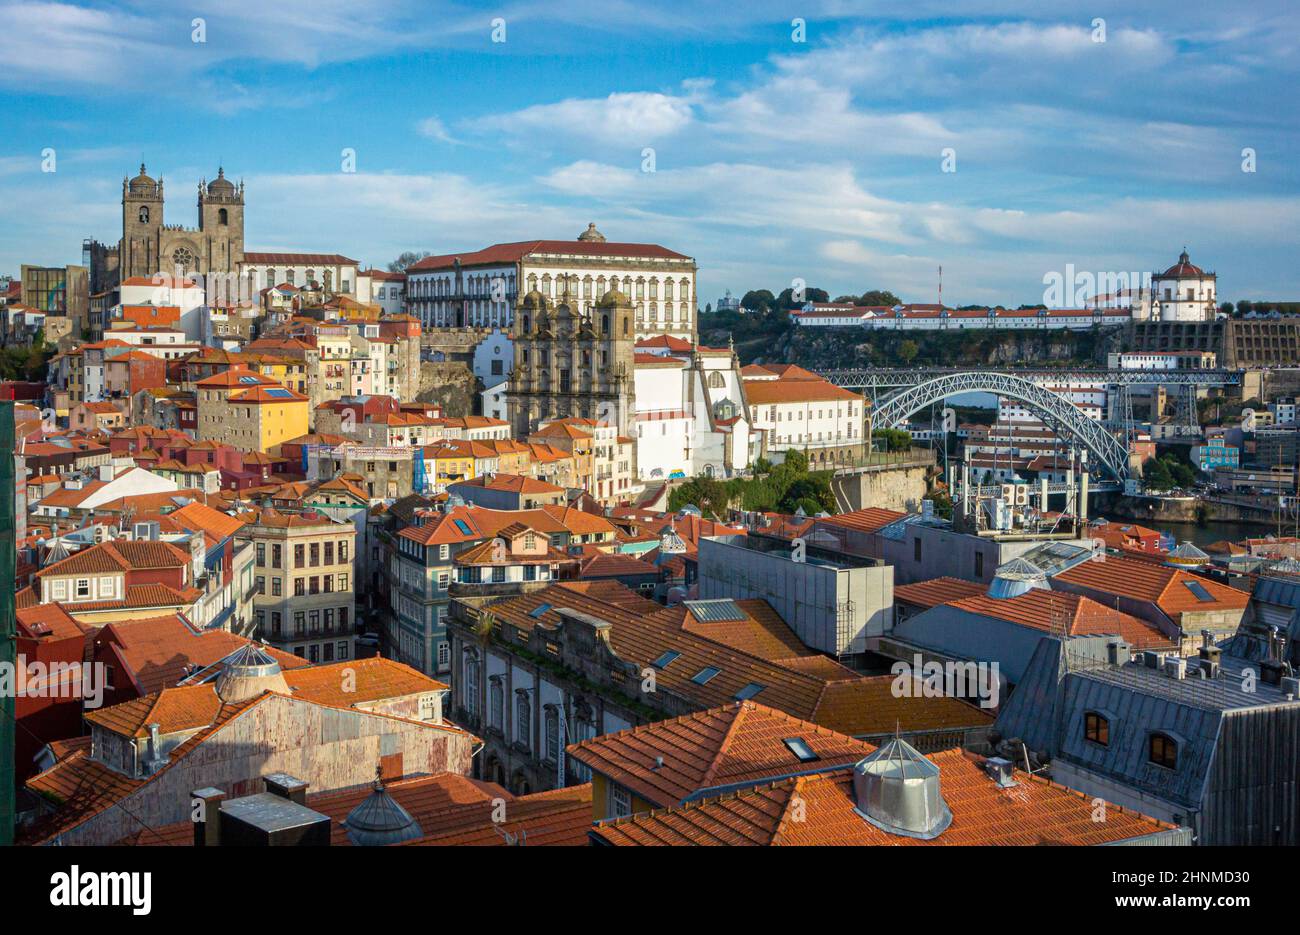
(819, 810)
(514, 252)
(667, 762)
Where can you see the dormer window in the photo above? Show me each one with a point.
(1162, 750)
(1096, 728)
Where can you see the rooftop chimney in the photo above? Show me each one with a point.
(1208, 650)
(286, 787)
(205, 805)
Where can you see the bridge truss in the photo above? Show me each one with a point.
(1057, 412)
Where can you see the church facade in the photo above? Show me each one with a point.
(149, 245)
(572, 364)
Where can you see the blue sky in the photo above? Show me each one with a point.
(774, 159)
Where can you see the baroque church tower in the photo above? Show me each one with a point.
(569, 365)
(149, 246)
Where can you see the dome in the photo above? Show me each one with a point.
(1186, 556)
(142, 184)
(612, 298)
(380, 820)
(249, 671)
(591, 235)
(534, 300)
(1183, 269)
(897, 789)
(1016, 577)
(221, 185)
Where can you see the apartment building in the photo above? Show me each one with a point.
(305, 602)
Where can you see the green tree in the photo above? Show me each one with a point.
(879, 297)
(757, 299)
(1156, 475)
(907, 352)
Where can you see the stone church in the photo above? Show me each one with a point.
(149, 246)
(571, 365)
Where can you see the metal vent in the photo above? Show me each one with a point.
(897, 790)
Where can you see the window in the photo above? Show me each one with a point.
(298, 587)
(277, 551)
(299, 623)
(523, 719)
(470, 697)
(275, 623)
(83, 587)
(261, 585)
(663, 661)
(1096, 728)
(343, 551)
(498, 698)
(275, 587)
(620, 801)
(799, 747)
(1198, 589)
(444, 653)
(979, 564)
(1162, 750)
(705, 675)
(299, 555)
(916, 550)
(552, 734)
(315, 554)
(261, 553)
(329, 553)
(749, 691)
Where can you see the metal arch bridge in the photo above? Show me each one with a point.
(873, 378)
(1061, 415)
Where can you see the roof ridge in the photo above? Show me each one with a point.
(723, 748)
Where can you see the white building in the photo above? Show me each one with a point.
(335, 274)
(691, 411)
(382, 288)
(942, 318)
(163, 290)
(1184, 292)
(493, 358)
(480, 289)
(795, 408)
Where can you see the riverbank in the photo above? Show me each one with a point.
(1157, 511)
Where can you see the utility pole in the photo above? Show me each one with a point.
(8, 633)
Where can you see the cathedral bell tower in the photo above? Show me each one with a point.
(142, 221)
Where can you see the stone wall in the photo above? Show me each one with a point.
(451, 385)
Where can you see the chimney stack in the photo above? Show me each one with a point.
(287, 787)
(206, 806)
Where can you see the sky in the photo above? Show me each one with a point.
(850, 146)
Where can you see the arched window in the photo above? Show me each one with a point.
(552, 734)
(222, 218)
(527, 323)
(523, 718)
(144, 214)
(270, 277)
(1096, 727)
(1162, 750)
(604, 324)
(715, 381)
(470, 698)
(497, 703)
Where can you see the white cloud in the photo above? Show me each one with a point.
(623, 118)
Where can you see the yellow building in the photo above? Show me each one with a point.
(249, 411)
(447, 463)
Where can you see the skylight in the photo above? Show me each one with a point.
(537, 611)
(463, 527)
(705, 674)
(749, 691)
(1199, 590)
(662, 661)
(800, 749)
